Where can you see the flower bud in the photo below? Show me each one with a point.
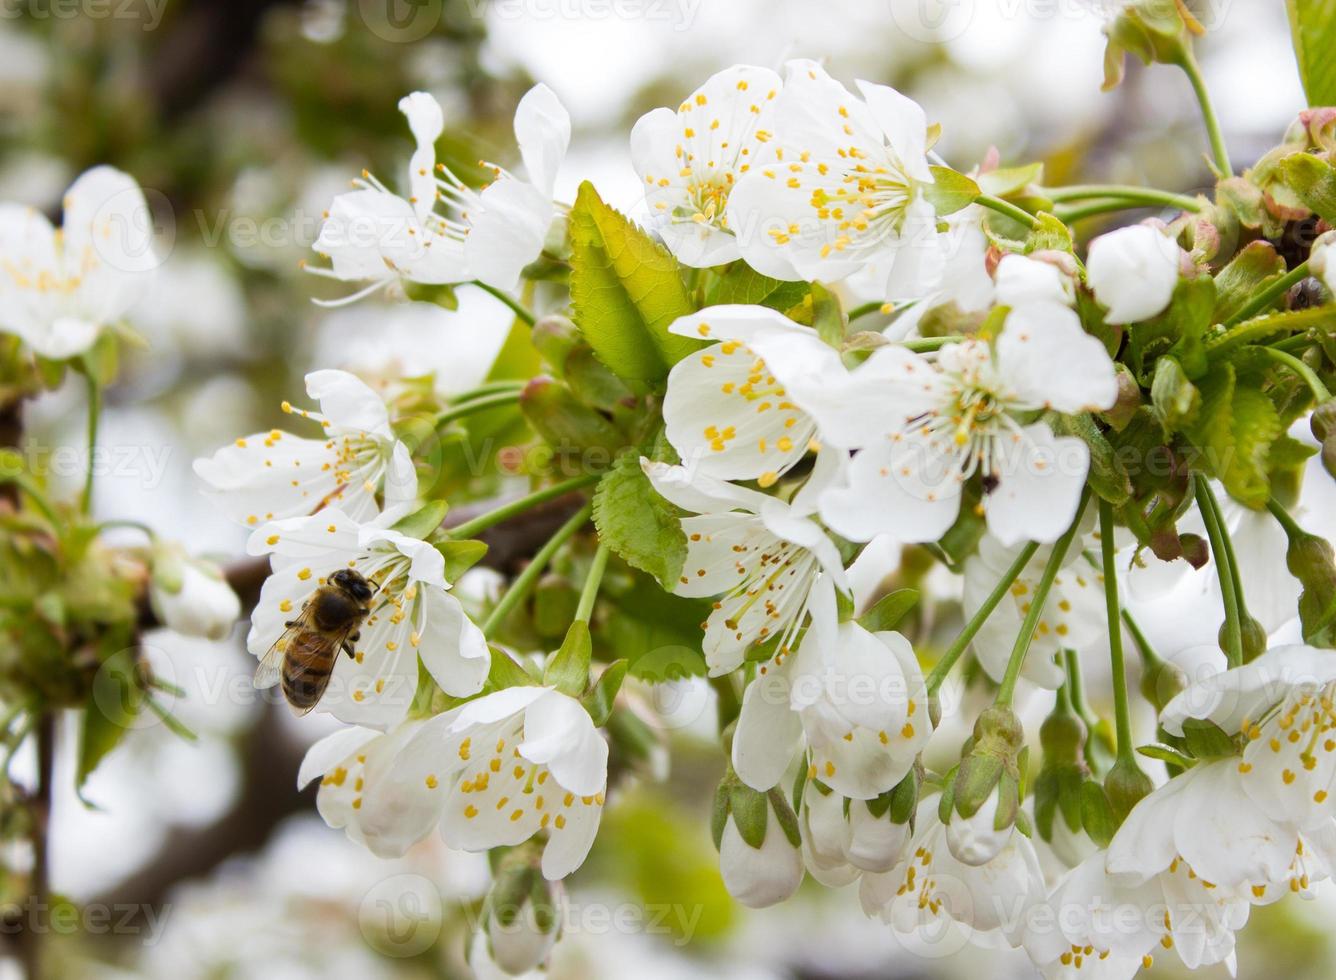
(568, 425)
(877, 842)
(1311, 560)
(522, 916)
(1125, 786)
(555, 337)
(977, 839)
(985, 792)
(190, 595)
(825, 835)
(1254, 639)
(759, 843)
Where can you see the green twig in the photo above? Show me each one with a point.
(1219, 151)
(94, 414)
(1135, 196)
(948, 660)
(1037, 603)
(506, 511)
(1309, 376)
(520, 310)
(1220, 552)
(1010, 210)
(474, 405)
(592, 582)
(1269, 295)
(1123, 713)
(525, 580)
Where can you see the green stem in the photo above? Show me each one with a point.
(1040, 599)
(1009, 209)
(525, 580)
(1077, 693)
(1150, 660)
(29, 486)
(474, 405)
(948, 660)
(1270, 294)
(1220, 551)
(922, 344)
(94, 415)
(1142, 196)
(482, 522)
(592, 582)
(1070, 216)
(1213, 132)
(520, 310)
(1309, 376)
(1122, 712)
(489, 388)
(867, 309)
(1291, 526)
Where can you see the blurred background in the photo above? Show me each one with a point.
(242, 118)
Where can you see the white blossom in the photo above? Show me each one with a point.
(840, 187)
(759, 554)
(445, 231)
(691, 159)
(274, 475)
(1133, 272)
(413, 615)
(60, 288)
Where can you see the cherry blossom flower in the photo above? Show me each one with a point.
(273, 475)
(60, 288)
(413, 615)
(735, 409)
(445, 231)
(840, 187)
(854, 701)
(930, 424)
(759, 554)
(691, 159)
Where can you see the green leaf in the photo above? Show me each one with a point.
(741, 284)
(950, 191)
(749, 810)
(1165, 754)
(1313, 29)
(889, 610)
(827, 316)
(1248, 273)
(1313, 181)
(568, 670)
(638, 524)
(117, 699)
(1005, 181)
(1050, 235)
(598, 702)
(1234, 431)
(1175, 398)
(626, 290)
(460, 556)
(422, 521)
(505, 672)
(1205, 739)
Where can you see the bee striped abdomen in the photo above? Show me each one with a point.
(306, 669)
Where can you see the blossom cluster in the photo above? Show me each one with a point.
(994, 402)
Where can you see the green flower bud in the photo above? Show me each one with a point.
(991, 767)
(1254, 639)
(555, 337)
(569, 426)
(1126, 785)
(522, 915)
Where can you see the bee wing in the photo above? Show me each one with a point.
(270, 669)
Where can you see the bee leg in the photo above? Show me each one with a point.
(348, 649)
(289, 624)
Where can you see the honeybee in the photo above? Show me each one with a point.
(303, 657)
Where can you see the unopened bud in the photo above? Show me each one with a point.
(522, 916)
(1126, 785)
(760, 854)
(555, 337)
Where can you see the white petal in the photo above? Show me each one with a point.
(348, 402)
(1040, 478)
(107, 243)
(451, 647)
(1133, 272)
(1040, 337)
(427, 122)
(768, 733)
(543, 132)
(507, 233)
(905, 125)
